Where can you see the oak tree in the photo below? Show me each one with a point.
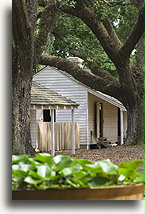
(34, 21)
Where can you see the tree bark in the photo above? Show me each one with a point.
(21, 96)
(131, 80)
(135, 123)
(26, 52)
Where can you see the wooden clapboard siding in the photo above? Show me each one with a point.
(110, 122)
(110, 126)
(63, 136)
(62, 84)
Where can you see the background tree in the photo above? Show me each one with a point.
(100, 33)
(28, 45)
(118, 27)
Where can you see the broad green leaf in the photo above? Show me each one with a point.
(15, 166)
(94, 168)
(139, 179)
(35, 175)
(66, 171)
(71, 170)
(80, 174)
(97, 181)
(54, 177)
(73, 184)
(44, 158)
(19, 172)
(82, 162)
(25, 167)
(81, 183)
(19, 158)
(30, 180)
(43, 170)
(61, 159)
(61, 162)
(131, 164)
(128, 173)
(121, 178)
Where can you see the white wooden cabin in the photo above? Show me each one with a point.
(47, 134)
(97, 112)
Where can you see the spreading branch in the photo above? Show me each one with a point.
(45, 28)
(117, 52)
(102, 73)
(31, 6)
(110, 45)
(135, 35)
(122, 3)
(92, 65)
(110, 87)
(110, 28)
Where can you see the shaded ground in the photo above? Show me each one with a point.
(115, 154)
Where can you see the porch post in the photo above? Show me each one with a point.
(121, 125)
(73, 131)
(52, 133)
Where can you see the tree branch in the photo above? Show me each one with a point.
(110, 45)
(102, 73)
(92, 65)
(110, 87)
(42, 3)
(32, 11)
(21, 26)
(134, 37)
(46, 24)
(111, 31)
(22, 35)
(122, 3)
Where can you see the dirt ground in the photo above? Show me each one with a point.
(115, 154)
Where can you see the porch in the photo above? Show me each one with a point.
(46, 134)
(107, 122)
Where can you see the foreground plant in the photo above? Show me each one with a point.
(45, 171)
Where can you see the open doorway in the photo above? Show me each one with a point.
(47, 115)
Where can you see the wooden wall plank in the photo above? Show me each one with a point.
(63, 136)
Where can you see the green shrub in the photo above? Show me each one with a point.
(45, 171)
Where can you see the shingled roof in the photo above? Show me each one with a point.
(41, 95)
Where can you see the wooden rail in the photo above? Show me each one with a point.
(63, 136)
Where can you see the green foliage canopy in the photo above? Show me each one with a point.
(70, 33)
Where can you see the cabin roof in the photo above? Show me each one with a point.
(99, 94)
(41, 95)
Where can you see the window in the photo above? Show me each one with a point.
(47, 115)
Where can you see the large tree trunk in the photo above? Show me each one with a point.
(135, 125)
(21, 84)
(135, 110)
